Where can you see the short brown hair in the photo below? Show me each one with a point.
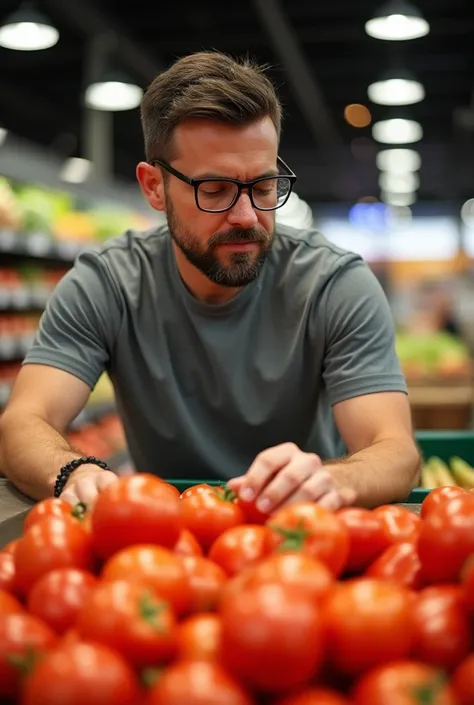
(210, 85)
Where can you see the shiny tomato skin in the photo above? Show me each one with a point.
(187, 545)
(252, 643)
(400, 683)
(442, 634)
(446, 540)
(206, 581)
(367, 539)
(467, 579)
(316, 531)
(314, 696)
(79, 673)
(23, 637)
(153, 566)
(137, 509)
(462, 681)
(251, 513)
(10, 547)
(131, 619)
(207, 514)
(367, 622)
(241, 546)
(199, 638)
(312, 577)
(58, 596)
(9, 603)
(51, 542)
(399, 524)
(52, 507)
(438, 496)
(400, 564)
(7, 572)
(202, 488)
(197, 683)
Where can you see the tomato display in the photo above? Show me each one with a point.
(151, 597)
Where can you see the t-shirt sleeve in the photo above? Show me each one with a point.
(360, 356)
(78, 327)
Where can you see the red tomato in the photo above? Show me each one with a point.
(399, 564)
(199, 638)
(438, 496)
(156, 567)
(467, 577)
(208, 513)
(9, 604)
(441, 626)
(22, 638)
(446, 539)
(172, 489)
(399, 524)
(206, 580)
(315, 696)
(7, 572)
(251, 513)
(197, 683)
(10, 547)
(137, 509)
(131, 619)
(187, 545)
(314, 530)
(78, 673)
(312, 577)
(402, 683)
(59, 595)
(51, 507)
(52, 542)
(241, 546)
(367, 623)
(462, 681)
(272, 637)
(367, 539)
(194, 490)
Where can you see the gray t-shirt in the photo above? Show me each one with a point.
(203, 388)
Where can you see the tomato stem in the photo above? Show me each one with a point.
(293, 539)
(150, 676)
(226, 494)
(79, 510)
(150, 611)
(427, 694)
(24, 662)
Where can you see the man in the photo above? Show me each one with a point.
(236, 350)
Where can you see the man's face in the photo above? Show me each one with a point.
(229, 248)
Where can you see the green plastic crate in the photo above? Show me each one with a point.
(443, 444)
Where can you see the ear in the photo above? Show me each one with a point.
(151, 183)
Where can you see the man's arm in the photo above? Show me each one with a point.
(33, 448)
(383, 464)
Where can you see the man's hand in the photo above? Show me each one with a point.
(85, 483)
(284, 475)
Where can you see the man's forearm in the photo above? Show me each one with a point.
(382, 473)
(32, 453)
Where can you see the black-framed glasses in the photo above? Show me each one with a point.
(219, 194)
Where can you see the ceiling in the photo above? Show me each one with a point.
(322, 60)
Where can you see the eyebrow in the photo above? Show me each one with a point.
(211, 175)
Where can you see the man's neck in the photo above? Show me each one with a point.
(199, 285)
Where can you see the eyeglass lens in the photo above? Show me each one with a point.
(219, 195)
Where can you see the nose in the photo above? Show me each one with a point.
(243, 213)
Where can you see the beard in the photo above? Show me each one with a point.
(242, 268)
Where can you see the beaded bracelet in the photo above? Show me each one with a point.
(67, 469)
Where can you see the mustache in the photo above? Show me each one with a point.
(237, 235)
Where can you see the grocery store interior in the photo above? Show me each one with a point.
(379, 128)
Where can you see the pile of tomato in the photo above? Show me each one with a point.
(153, 597)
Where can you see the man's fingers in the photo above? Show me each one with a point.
(318, 484)
(264, 467)
(69, 495)
(86, 488)
(288, 482)
(236, 483)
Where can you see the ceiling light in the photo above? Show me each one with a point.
(27, 30)
(397, 20)
(399, 90)
(398, 199)
(76, 170)
(399, 183)
(398, 161)
(115, 92)
(397, 131)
